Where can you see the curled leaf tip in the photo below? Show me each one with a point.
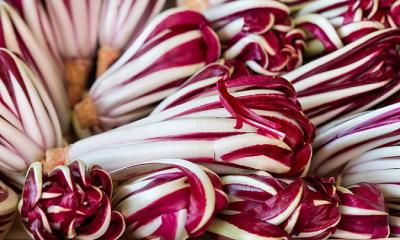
(177, 199)
(69, 202)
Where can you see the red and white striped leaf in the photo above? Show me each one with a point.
(332, 24)
(168, 199)
(249, 122)
(172, 47)
(351, 79)
(25, 40)
(29, 124)
(259, 33)
(68, 203)
(363, 213)
(264, 207)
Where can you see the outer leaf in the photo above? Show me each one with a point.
(259, 33)
(350, 80)
(64, 204)
(199, 124)
(172, 47)
(29, 124)
(24, 40)
(176, 202)
(263, 207)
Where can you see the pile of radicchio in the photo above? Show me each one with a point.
(229, 119)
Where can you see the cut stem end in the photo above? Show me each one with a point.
(55, 157)
(105, 57)
(197, 5)
(86, 114)
(76, 74)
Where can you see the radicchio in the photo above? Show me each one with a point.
(28, 120)
(69, 202)
(332, 24)
(394, 212)
(8, 208)
(172, 47)
(121, 21)
(75, 25)
(352, 79)
(168, 199)
(229, 125)
(364, 148)
(294, 5)
(363, 213)
(35, 16)
(201, 5)
(349, 138)
(259, 33)
(265, 207)
(23, 39)
(381, 167)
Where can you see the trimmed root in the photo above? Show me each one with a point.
(86, 114)
(76, 74)
(197, 5)
(55, 157)
(105, 57)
